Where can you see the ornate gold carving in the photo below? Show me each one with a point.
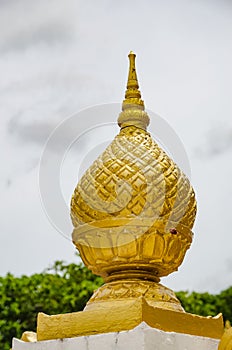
(133, 210)
(135, 117)
(155, 294)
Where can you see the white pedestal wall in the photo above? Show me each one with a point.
(142, 337)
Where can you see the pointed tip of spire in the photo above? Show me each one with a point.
(132, 95)
(133, 107)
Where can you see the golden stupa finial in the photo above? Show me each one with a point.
(133, 211)
(133, 106)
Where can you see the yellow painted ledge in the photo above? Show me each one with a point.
(226, 341)
(125, 315)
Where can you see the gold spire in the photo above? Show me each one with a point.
(133, 106)
(132, 95)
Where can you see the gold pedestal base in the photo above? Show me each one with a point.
(155, 294)
(125, 315)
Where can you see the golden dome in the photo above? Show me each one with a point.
(133, 209)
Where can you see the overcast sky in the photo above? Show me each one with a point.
(59, 57)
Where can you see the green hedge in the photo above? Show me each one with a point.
(61, 289)
(206, 304)
(66, 288)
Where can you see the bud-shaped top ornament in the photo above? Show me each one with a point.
(133, 209)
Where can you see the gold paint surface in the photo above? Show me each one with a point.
(133, 211)
(125, 315)
(133, 106)
(226, 341)
(155, 294)
(132, 95)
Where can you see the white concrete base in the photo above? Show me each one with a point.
(142, 337)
